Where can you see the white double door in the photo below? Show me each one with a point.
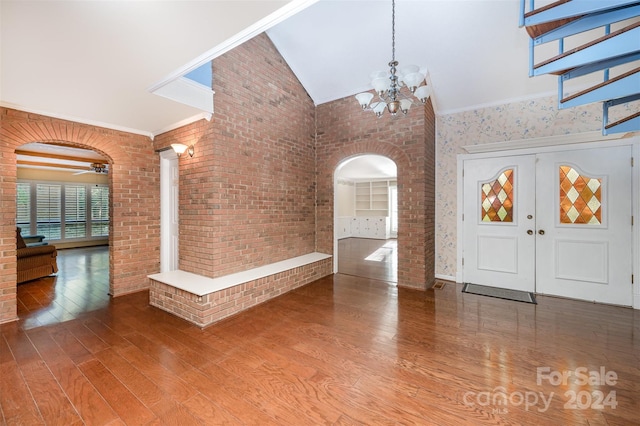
(556, 223)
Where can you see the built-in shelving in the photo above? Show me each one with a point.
(372, 198)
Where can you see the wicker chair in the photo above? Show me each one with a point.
(36, 261)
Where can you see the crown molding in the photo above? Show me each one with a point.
(201, 116)
(261, 26)
(568, 139)
(77, 119)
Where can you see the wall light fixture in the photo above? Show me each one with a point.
(180, 148)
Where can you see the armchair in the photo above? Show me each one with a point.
(36, 261)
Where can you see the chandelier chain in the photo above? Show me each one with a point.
(393, 30)
(388, 86)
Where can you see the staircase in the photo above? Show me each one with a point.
(596, 52)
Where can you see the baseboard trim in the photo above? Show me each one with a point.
(445, 277)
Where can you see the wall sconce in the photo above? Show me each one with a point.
(180, 148)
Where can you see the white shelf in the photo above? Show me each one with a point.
(372, 198)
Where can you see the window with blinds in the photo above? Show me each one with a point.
(75, 211)
(99, 211)
(62, 211)
(23, 206)
(49, 210)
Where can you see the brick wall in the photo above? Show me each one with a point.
(134, 186)
(259, 188)
(210, 308)
(247, 197)
(344, 131)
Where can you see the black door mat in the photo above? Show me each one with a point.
(500, 293)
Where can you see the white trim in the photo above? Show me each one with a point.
(602, 143)
(203, 115)
(573, 89)
(335, 218)
(636, 222)
(261, 26)
(499, 103)
(77, 119)
(459, 212)
(165, 208)
(201, 285)
(549, 141)
(188, 92)
(445, 277)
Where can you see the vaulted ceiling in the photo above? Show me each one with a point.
(95, 62)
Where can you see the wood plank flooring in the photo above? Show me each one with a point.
(369, 258)
(343, 350)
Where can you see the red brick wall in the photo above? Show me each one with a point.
(344, 131)
(259, 188)
(247, 197)
(134, 186)
(213, 307)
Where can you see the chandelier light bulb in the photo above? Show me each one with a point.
(364, 99)
(378, 108)
(422, 93)
(381, 85)
(405, 104)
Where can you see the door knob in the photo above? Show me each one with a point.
(541, 232)
(529, 231)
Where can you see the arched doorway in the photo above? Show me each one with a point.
(366, 217)
(62, 202)
(134, 239)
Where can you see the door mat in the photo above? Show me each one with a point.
(500, 293)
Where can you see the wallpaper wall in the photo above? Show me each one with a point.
(519, 120)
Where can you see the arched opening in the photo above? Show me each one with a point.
(366, 217)
(62, 201)
(134, 194)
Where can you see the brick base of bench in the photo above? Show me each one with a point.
(206, 309)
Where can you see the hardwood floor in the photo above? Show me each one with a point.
(81, 285)
(343, 350)
(369, 258)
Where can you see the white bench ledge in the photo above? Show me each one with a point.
(201, 285)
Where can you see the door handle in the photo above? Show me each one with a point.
(529, 231)
(541, 232)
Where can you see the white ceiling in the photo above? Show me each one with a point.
(473, 51)
(367, 167)
(95, 61)
(51, 157)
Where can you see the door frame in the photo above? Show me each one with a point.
(555, 144)
(167, 162)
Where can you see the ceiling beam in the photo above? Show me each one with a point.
(57, 166)
(59, 157)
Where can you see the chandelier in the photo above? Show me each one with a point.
(389, 85)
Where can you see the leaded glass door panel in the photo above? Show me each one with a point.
(499, 206)
(584, 235)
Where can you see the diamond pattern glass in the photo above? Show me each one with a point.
(580, 198)
(497, 199)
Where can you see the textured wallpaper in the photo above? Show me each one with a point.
(520, 120)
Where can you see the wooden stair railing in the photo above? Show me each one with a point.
(539, 29)
(545, 8)
(616, 123)
(600, 85)
(585, 46)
